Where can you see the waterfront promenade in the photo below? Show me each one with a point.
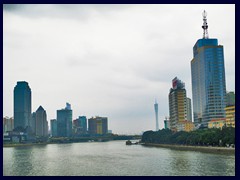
(207, 149)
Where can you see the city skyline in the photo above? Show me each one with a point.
(108, 60)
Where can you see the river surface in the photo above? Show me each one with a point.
(112, 158)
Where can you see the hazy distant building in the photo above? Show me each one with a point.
(98, 125)
(208, 79)
(64, 121)
(177, 103)
(166, 124)
(41, 122)
(156, 115)
(22, 105)
(230, 99)
(33, 123)
(189, 110)
(53, 123)
(8, 124)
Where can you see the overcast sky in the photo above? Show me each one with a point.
(108, 60)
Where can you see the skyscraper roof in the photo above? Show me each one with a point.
(40, 108)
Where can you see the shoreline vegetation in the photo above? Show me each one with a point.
(205, 149)
(205, 140)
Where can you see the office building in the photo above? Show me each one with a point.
(98, 125)
(22, 105)
(177, 103)
(208, 79)
(53, 123)
(64, 121)
(41, 122)
(82, 121)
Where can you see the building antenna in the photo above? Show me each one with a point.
(205, 26)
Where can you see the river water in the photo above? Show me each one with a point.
(112, 158)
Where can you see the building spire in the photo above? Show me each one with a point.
(205, 26)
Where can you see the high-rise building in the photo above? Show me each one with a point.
(41, 122)
(64, 121)
(177, 103)
(156, 114)
(98, 125)
(53, 123)
(22, 105)
(208, 79)
(189, 110)
(8, 124)
(83, 124)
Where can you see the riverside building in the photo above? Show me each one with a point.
(208, 79)
(22, 105)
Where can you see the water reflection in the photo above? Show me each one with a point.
(22, 161)
(112, 158)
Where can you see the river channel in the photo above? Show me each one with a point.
(112, 158)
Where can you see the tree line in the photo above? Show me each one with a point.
(201, 137)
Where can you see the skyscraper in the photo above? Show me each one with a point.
(177, 103)
(22, 105)
(156, 114)
(208, 79)
(64, 121)
(41, 122)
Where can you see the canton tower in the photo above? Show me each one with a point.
(156, 114)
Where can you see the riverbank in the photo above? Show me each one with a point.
(206, 149)
(24, 144)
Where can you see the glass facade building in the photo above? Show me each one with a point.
(22, 105)
(53, 127)
(208, 81)
(64, 122)
(82, 120)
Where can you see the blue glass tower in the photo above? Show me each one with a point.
(208, 79)
(64, 122)
(22, 105)
(82, 121)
